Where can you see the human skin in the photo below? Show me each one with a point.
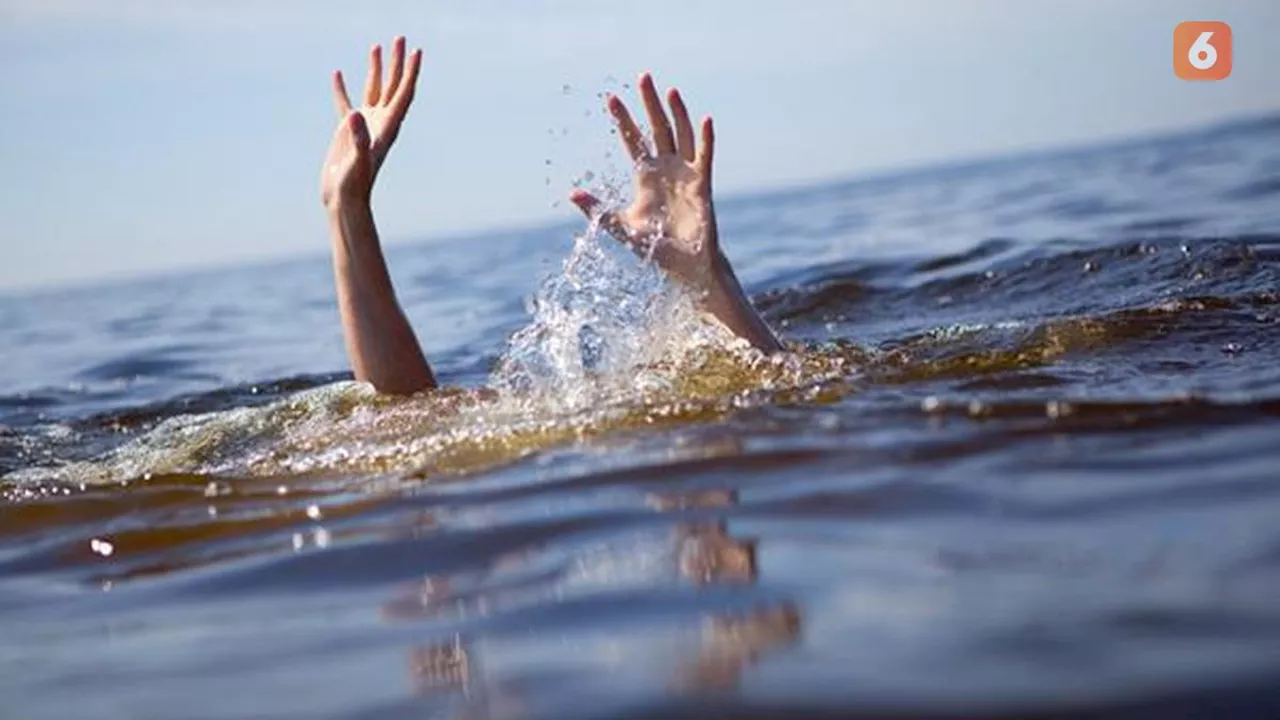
(672, 219)
(381, 345)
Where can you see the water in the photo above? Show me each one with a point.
(1022, 461)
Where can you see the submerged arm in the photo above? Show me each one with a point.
(380, 343)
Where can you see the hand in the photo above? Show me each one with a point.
(672, 218)
(365, 136)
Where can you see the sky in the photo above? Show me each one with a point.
(143, 136)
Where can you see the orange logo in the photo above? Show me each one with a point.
(1202, 50)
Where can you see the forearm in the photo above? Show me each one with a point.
(381, 345)
(726, 301)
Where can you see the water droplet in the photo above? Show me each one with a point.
(102, 547)
(298, 541)
(931, 404)
(313, 512)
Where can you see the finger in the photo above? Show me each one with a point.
(631, 137)
(663, 141)
(593, 209)
(397, 70)
(684, 128)
(373, 84)
(340, 96)
(707, 151)
(408, 87)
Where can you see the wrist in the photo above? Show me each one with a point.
(345, 206)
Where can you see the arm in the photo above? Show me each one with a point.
(673, 217)
(380, 343)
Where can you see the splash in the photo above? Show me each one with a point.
(611, 344)
(605, 329)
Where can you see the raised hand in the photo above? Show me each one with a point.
(365, 135)
(380, 343)
(672, 218)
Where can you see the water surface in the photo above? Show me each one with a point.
(1022, 460)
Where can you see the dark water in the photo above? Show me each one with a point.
(1024, 460)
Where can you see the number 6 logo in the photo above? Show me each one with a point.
(1202, 50)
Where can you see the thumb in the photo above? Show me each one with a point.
(608, 220)
(359, 133)
(589, 204)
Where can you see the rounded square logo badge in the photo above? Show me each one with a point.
(1202, 50)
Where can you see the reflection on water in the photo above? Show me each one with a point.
(1020, 461)
(702, 553)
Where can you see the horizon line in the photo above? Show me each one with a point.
(952, 164)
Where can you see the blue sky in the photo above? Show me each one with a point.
(139, 136)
